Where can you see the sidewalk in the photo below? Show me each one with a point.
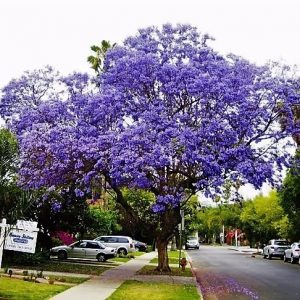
(101, 287)
(246, 249)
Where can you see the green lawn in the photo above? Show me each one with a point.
(150, 270)
(16, 289)
(66, 267)
(135, 290)
(128, 257)
(120, 259)
(69, 279)
(138, 253)
(173, 257)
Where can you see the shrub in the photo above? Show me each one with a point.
(65, 237)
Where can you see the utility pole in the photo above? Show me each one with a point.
(180, 234)
(223, 234)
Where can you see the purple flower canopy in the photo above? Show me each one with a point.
(168, 114)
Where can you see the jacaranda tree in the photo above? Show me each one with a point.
(169, 115)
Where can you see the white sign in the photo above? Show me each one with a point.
(21, 240)
(27, 225)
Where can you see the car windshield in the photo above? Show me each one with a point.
(101, 245)
(192, 239)
(281, 243)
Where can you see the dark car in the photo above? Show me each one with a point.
(140, 246)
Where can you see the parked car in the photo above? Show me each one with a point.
(292, 254)
(84, 249)
(192, 242)
(140, 246)
(275, 248)
(122, 244)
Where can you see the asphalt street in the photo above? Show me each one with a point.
(227, 274)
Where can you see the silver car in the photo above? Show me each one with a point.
(122, 244)
(84, 249)
(192, 242)
(293, 253)
(275, 248)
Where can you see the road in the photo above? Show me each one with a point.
(227, 274)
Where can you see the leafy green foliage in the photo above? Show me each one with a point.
(100, 221)
(14, 202)
(263, 218)
(212, 219)
(96, 60)
(290, 199)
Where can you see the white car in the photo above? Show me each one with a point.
(293, 253)
(84, 249)
(192, 242)
(275, 248)
(122, 244)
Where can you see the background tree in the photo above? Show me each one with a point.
(212, 219)
(290, 199)
(14, 202)
(166, 101)
(263, 218)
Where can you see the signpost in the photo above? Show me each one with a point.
(2, 237)
(21, 237)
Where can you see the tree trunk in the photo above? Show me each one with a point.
(163, 260)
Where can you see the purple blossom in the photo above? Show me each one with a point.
(55, 206)
(171, 115)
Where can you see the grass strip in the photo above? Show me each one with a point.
(136, 290)
(173, 257)
(69, 279)
(150, 270)
(121, 259)
(16, 289)
(66, 267)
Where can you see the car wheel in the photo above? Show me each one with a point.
(101, 258)
(292, 260)
(269, 255)
(284, 258)
(62, 255)
(122, 251)
(264, 255)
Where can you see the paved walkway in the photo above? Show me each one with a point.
(101, 287)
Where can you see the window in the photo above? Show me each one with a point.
(104, 239)
(81, 245)
(112, 239)
(92, 245)
(281, 243)
(123, 240)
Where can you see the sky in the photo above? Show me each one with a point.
(35, 33)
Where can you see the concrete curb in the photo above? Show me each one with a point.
(198, 287)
